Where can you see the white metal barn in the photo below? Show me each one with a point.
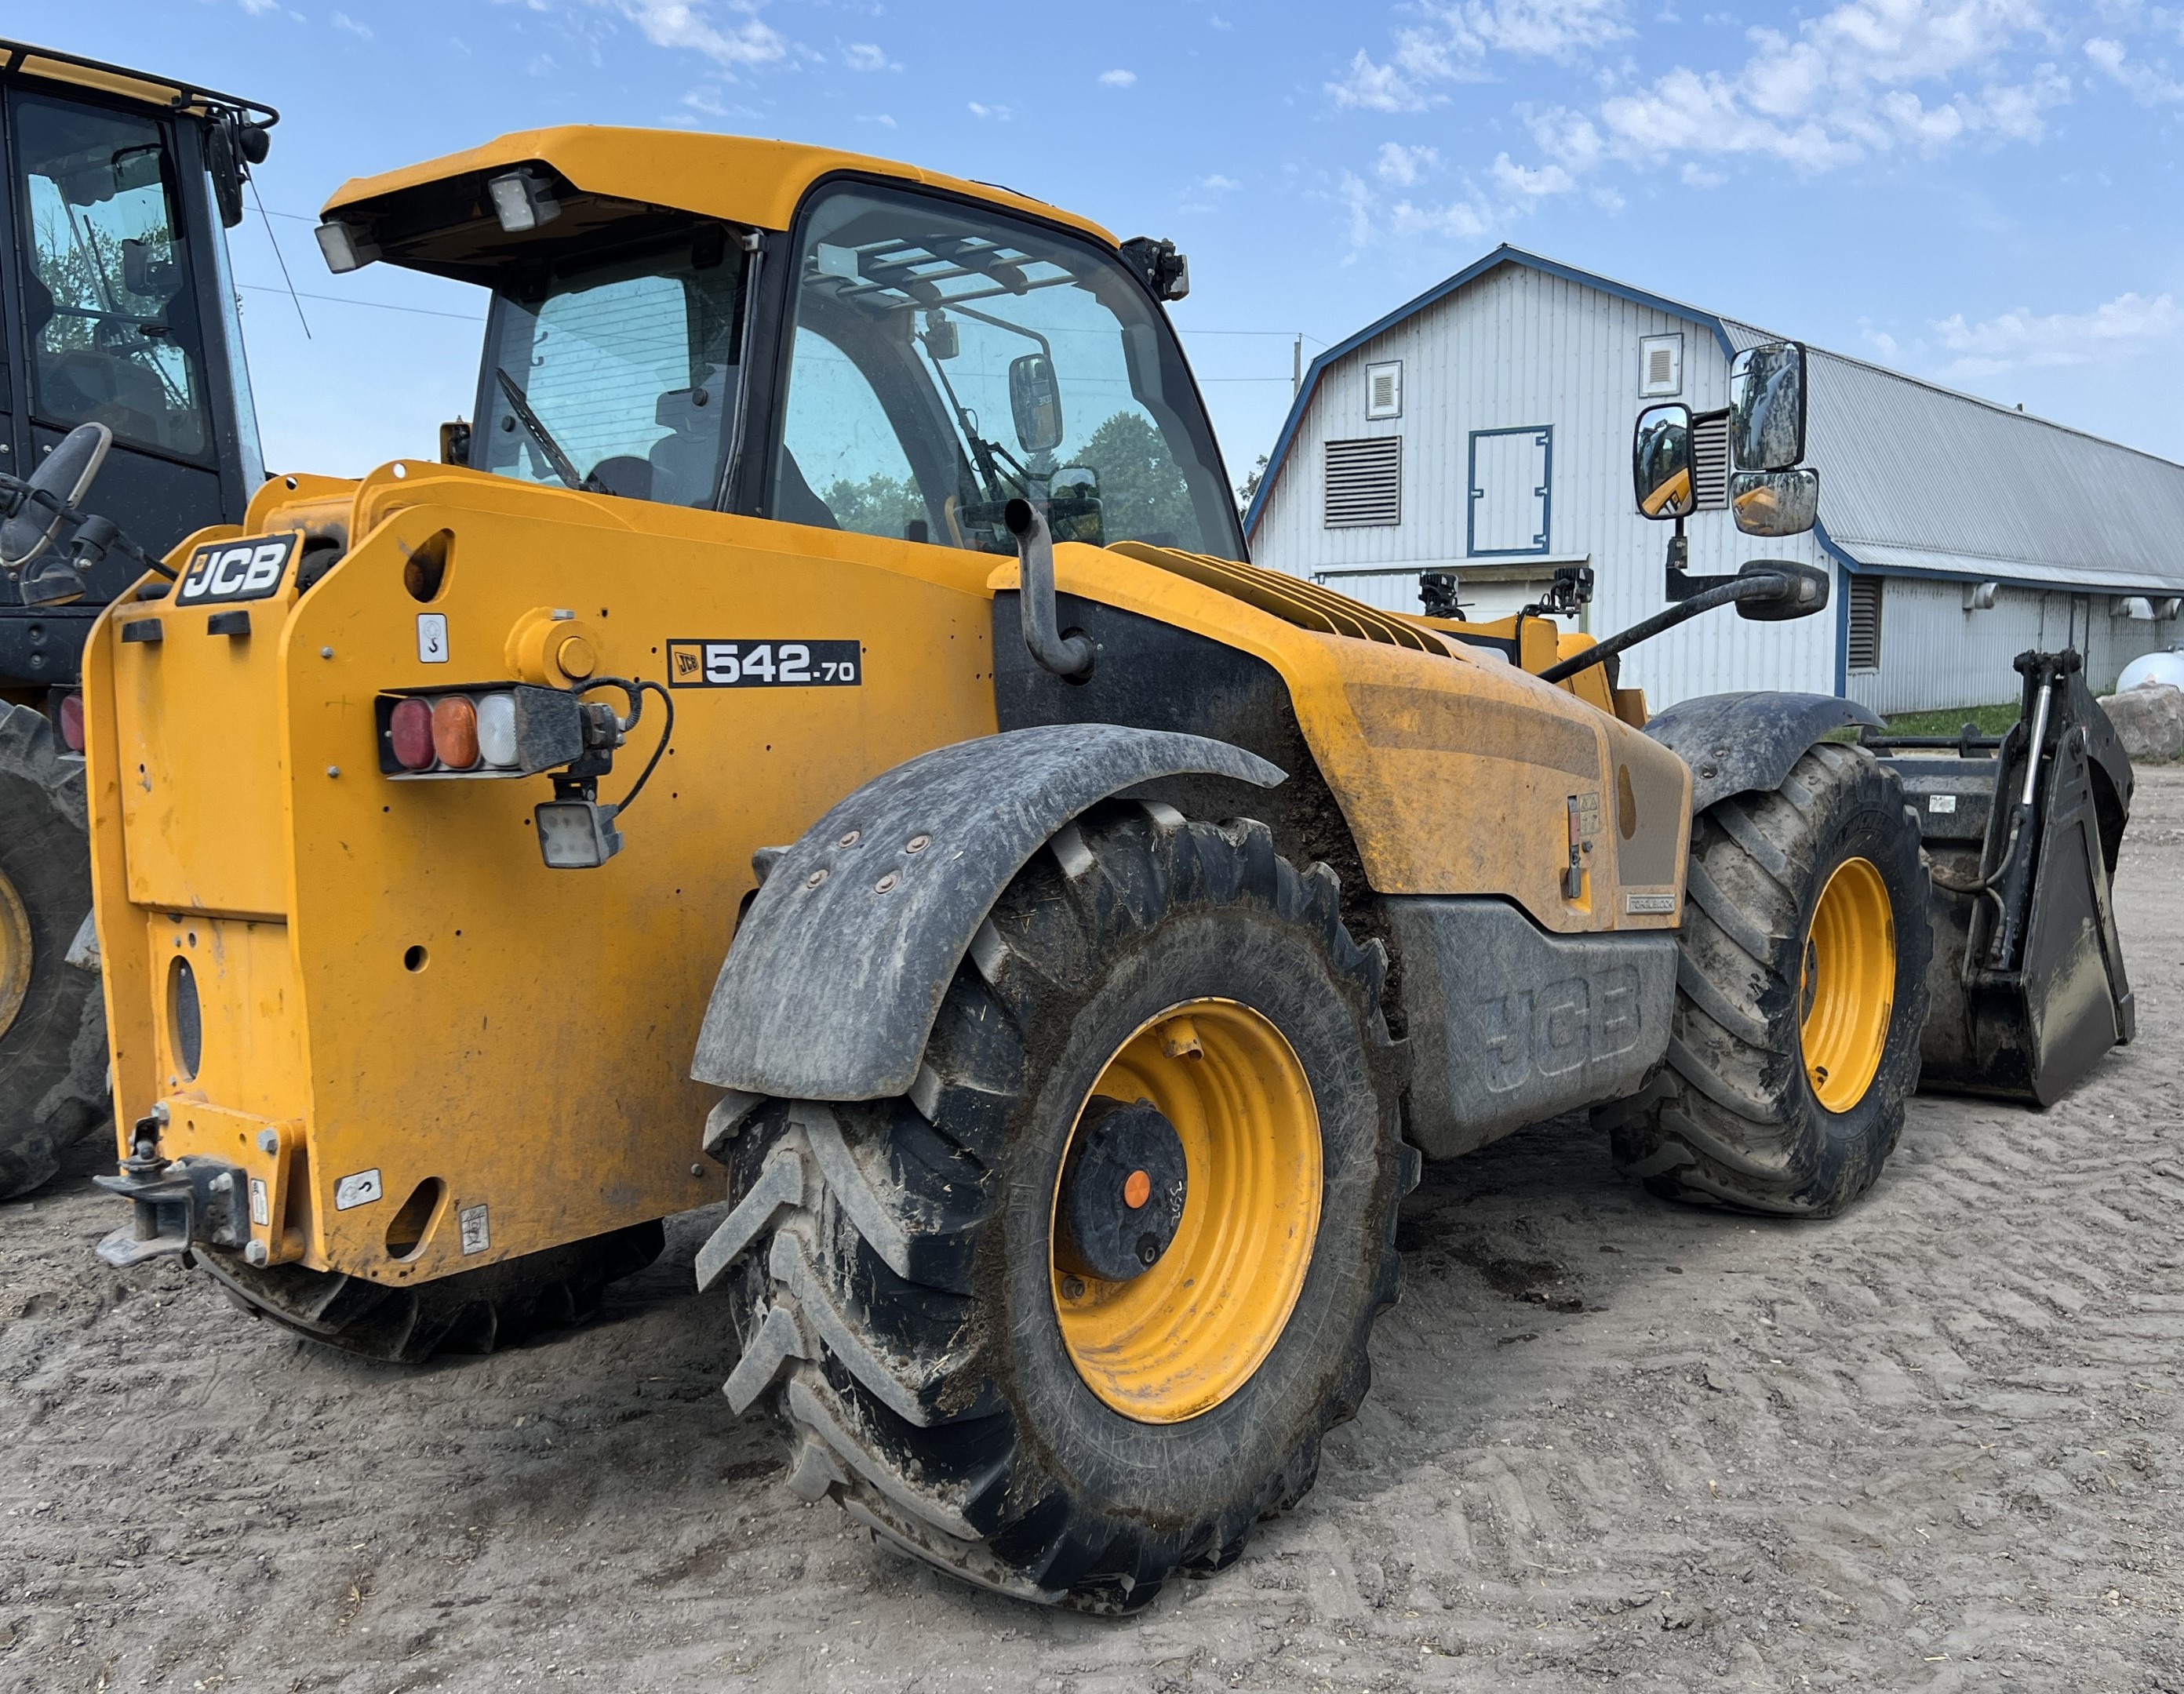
(1485, 429)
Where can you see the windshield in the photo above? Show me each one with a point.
(113, 335)
(619, 376)
(947, 359)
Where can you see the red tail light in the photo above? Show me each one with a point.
(72, 722)
(409, 729)
(455, 732)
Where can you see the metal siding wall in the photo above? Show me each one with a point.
(1520, 347)
(1935, 656)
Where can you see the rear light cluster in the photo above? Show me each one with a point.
(509, 731)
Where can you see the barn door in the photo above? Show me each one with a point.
(1511, 474)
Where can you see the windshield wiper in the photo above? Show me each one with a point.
(558, 462)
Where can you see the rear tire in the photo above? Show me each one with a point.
(52, 1016)
(473, 1311)
(895, 1293)
(1735, 1117)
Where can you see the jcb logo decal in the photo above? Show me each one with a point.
(247, 569)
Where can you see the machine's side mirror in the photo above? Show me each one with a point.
(1776, 503)
(1767, 406)
(1035, 401)
(1803, 591)
(66, 474)
(1661, 463)
(146, 277)
(455, 442)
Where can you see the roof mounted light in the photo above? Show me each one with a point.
(345, 250)
(521, 202)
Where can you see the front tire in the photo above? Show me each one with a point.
(898, 1290)
(1801, 996)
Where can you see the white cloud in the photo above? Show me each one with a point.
(2144, 84)
(1845, 87)
(1222, 184)
(1453, 44)
(1404, 165)
(688, 25)
(999, 114)
(258, 8)
(868, 56)
(881, 119)
(1532, 182)
(348, 25)
(2122, 328)
(1117, 78)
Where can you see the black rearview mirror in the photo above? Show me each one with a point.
(1661, 463)
(942, 339)
(1767, 406)
(66, 474)
(1776, 503)
(1035, 401)
(1803, 591)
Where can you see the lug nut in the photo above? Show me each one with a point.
(221, 1184)
(1072, 1288)
(255, 1254)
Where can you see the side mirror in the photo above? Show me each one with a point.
(1767, 406)
(1803, 591)
(1661, 463)
(1035, 401)
(455, 442)
(66, 474)
(1776, 503)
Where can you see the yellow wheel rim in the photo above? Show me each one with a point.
(14, 953)
(1848, 987)
(1184, 1337)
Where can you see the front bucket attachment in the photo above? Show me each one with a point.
(2027, 979)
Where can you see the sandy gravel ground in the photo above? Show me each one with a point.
(1612, 1445)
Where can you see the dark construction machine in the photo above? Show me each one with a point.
(116, 310)
(814, 742)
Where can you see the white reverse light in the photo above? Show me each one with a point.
(496, 729)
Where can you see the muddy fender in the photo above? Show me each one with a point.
(1746, 743)
(836, 971)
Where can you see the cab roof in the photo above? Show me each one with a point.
(738, 179)
(166, 93)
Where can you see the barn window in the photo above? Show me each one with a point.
(1364, 483)
(1661, 366)
(1862, 646)
(1384, 390)
(1710, 460)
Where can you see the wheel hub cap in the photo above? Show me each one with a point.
(1846, 989)
(1163, 1342)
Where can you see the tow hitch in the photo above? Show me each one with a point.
(176, 1202)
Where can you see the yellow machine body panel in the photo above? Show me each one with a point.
(520, 1035)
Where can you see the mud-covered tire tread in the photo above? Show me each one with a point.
(971, 1463)
(1730, 1121)
(53, 1055)
(470, 1311)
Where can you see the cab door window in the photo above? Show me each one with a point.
(948, 358)
(113, 330)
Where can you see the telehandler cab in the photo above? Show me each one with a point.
(817, 745)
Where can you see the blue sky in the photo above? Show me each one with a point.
(1979, 191)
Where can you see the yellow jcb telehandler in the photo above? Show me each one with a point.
(813, 742)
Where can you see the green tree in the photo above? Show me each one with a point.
(1143, 497)
(880, 505)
